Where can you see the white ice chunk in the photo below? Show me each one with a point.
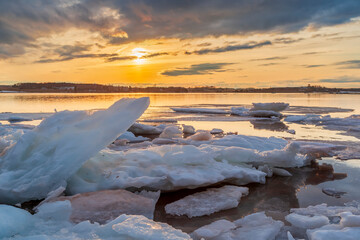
(200, 136)
(132, 138)
(264, 114)
(281, 172)
(210, 201)
(275, 106)
(188, 129)
(216, 131)
(349, 220)
(171, 132)
(43, 159)
(143, 129)
(14, 221)
(325, 210)
(307, 222)
(255, 226)
(240, 111)
(213, 230)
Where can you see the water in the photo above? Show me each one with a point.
(279, 194)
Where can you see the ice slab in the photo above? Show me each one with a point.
(207, 202)
(255, 226)
(307, 222)
(44, 158)
(51, 222)
(144, 129)
(264, 114)
(275, 106)
(200, 136)
(103, 206)
(171, 132)
(188, 129)
(167, 167)
(131, 137)
(20, 117)
(200, 110)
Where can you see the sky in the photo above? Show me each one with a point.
(223, 43)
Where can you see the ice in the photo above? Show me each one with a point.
(19, 117)
(240, 111)
(44, 158)
(143, 129)
(171, 132)
(264, 114)
(200, 136)
(275, 106)
(167, 167)
(51, 222)
(307, 222)
(251, 142)
(281, 172)
(132, 138)
(325, 210)
(213, 230)
(207, 202)
(188, 129)
(199, 110)
(103, 206)
(216, 131)
(303, 118)
(332, 192)
(255, 226)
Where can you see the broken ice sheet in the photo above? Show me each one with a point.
(207, 202)
(44, 158)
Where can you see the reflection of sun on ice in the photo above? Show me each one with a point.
(139, 53)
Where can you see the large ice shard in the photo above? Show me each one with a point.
(44, 158)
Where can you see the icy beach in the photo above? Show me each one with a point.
(195, 171)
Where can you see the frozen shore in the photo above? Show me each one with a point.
(92, 154)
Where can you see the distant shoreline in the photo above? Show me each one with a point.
(98, 88)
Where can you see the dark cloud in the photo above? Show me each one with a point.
(22, 22)
(269, 59)
(151, 55)
(269, 64)
(206, 44)
(313, 66)
(287, 40)
(343, 79)
(351, 64)
(70, 52)
(229, 48)
(197, 69)
(121, 58)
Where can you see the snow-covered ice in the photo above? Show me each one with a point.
(275, 106)
(207, 202)
(44, 158)
(171, 132)
(144, 129)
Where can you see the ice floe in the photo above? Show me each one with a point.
(199, 110)
(20, 117)
(207, 202)
(44, 158)
(275, 106)
(144, 129)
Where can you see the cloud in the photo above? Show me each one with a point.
(151, 55)
(70, 52)
(23, 22)
(313, 66)
(343, 79)
(197, 69)
(269, 59)
(350, 64)
(229, 48)
(121, 58)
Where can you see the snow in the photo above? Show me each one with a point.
(199, 110)
(51, 222)
(275, 106)
(103, 206)
(207, 202)
(255, 226)
(44, 158)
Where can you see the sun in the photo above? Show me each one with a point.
(139, 53)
